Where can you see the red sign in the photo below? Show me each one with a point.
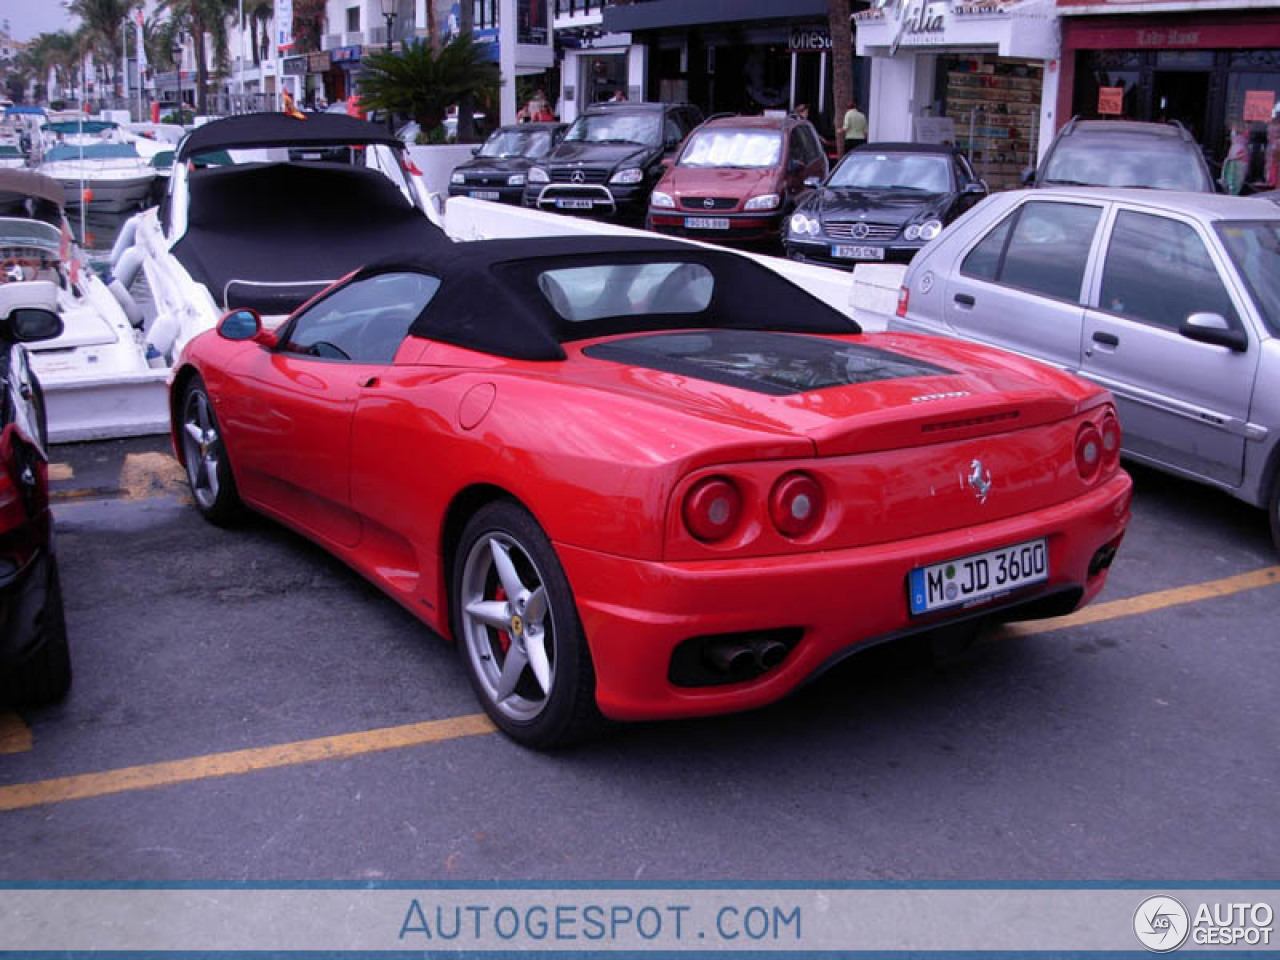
(1258, 105)
(1110, 101)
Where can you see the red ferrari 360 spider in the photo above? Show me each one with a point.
(638, 479)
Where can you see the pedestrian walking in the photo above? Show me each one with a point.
(855, 127)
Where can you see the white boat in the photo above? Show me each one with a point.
(264, 211)
(110, 177)
(96, 376)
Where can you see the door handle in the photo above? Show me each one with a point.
(1106, 339)
(370, 381)
(965, 300)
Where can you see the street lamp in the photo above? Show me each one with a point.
(389, 15)
(177, 71)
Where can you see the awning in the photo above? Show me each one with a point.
(1009, 28)
(657, 14)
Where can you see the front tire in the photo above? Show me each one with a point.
(1273, 510)
(516, 624)
(208, 471)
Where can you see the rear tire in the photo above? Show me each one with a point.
(208, 470)
(510, 599)
(46, 676)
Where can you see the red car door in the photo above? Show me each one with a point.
(289, 423)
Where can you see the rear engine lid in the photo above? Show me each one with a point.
(853, 394)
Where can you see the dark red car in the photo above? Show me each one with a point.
(737, 178)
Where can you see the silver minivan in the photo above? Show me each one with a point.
(1170, 300)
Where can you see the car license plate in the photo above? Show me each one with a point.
(484, 194)
(706, 223)
(979, 577)
(574, 203)
(846, 252)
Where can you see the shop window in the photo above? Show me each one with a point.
(1264, 59)
(1261, 85)
(991, 107)
(1158, 271)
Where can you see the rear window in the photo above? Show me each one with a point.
(580, 294)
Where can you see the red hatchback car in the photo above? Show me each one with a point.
(737, 178)
(637, 478)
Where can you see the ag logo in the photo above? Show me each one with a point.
(1161, 924)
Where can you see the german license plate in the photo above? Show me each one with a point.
(484, 194)
(846, 252)
(706, 223)
(574, 203)
(973, 579)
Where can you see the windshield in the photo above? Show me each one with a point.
(733, 148)
(893, 171)
(517, 143)
(643, 128)
(1108, 162)
(1254, 247)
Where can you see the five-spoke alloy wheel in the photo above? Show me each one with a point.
(208, 471)
(514, 618)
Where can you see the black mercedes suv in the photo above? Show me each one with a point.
(608, 162)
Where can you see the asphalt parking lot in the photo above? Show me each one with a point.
(245, 708)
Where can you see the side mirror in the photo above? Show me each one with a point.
(1028, 177)
(976, 187)
(1212, 328)
(29, 324)
(813, 183)
(245, 324)
(475, 151)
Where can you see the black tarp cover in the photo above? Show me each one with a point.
(489, 298)
(303, 224)
(251, 130)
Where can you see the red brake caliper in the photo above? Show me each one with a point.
(504, 638)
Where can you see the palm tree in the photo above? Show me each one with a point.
(841, 64)
(258, 13)
(102, 21)
(206, 20)
(423, 84)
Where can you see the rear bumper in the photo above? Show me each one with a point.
(635, 613)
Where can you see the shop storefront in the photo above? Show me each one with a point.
(735, 56)
(1213, 70)
(981, 76)
(341, 79)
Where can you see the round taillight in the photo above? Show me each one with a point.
(795, 506)
(1088, 451)
(1110, 441)
(712, 508)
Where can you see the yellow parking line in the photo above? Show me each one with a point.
(236, 762)
(147, 776)
(15, 736)
(1149, 602)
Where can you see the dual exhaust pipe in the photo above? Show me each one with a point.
(744, 660)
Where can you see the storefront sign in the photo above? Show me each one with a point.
(810, 40)
(318, 62)
(294, 67)
(1258, 105)
(346, 54)
(1110, 101)
(1169, 38)
(913, 22)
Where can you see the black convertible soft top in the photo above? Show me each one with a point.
(281, 130)
(490, 299)
(271, 236)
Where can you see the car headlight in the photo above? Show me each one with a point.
(538, 175)
(629, 175)
(515, 180)
(457, 178)
(660, 199)
(930, 229)
(766, 201)
(801, 224)
(912, 232)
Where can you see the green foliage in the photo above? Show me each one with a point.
(423, 84)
